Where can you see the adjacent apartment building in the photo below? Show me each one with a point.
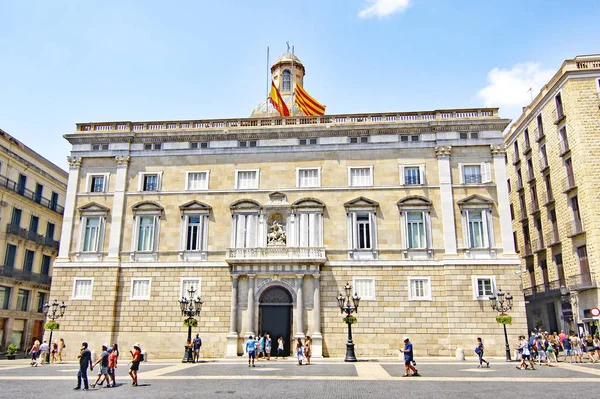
(269, 217)
(553, 158)
(32, 194)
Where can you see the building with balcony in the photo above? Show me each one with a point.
(269, 217)
(32, 193)
(555, 144)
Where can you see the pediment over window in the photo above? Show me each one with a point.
(308, 202)
(414, 201)
(194, 206)
(245, 205)
(277, 198)
(475, 200)
(361, 202)
(147, 206)
(93, 207)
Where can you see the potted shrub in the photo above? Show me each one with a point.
(11, 352)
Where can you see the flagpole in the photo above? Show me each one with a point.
(268, 86)
(293, 86)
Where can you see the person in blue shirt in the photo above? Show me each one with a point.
(408, 358)
(197, 344)
(251, 350)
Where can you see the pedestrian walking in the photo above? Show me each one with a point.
(550, 350)
(85, 361)
(112, 365)
(540, 347)
(35, 353)
(136, 358)
(268, 346)
(261, 347)
(61, 349)
(525, 354)
(479, 351)
(596, 344)
(576, 347)
(44, 349)
(566, 346)
(280, 345)
(299, 351)
(54, 351)
(251, 350)
(307, 348)
(408, 359)
(103, 372)
(197, 345)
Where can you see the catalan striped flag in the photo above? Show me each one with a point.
(307, 104)
(277, 101)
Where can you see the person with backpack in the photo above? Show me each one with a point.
(479, 351)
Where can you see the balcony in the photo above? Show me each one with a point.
(568, 183)
(535, 206)
(548, 198)
(523, 217)
(558, 115)
(31, 236)
(516, 159)
(580, 282)
(552, 237)
(575, 228)
(24, 275)
(539, 134)
(275, 254)
(543, 290)
(538, 245)
(30, 195)
(526, 148)
(564, 146)
(519, 184)
(543, 165)
(527, 250)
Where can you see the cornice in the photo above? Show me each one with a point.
(32, 166)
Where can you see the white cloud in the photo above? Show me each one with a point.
(383, 8)
(509, 88)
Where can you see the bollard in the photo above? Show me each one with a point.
(145, 354)
(460, 354)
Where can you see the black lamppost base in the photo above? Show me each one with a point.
(188, 356)
(350, 356)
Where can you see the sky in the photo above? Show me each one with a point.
(67, 61)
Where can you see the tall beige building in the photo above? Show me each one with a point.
(270, 217)
(32, 191)
(553, 171)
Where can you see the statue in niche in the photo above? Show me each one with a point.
(276, 234)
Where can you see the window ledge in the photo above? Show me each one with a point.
(144, 256)
(192, 255)
(417, 253)
(479, 253)
(89, 256)
(363, 255)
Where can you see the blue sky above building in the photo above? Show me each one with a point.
(64, 62)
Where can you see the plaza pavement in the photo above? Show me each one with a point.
(325, 378)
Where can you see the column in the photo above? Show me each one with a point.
(447, 199)
(299, 322)
(251, 284)
(66, 234)
(232, 337)
(317, 338)
(498, 153)
(116, 224)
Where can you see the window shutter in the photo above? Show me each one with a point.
(404, 229)
(240, 231)
(466, 231)
(304, 230)
(402, 176)
(486, 172)
(82, 228)
(351, 230)
(422, 174)
(204, 232)
(461, 172)
(313, 238)
(488, 228)
(100, 240)
(251, 231)
(373, 230)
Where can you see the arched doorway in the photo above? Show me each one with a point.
(276, 317)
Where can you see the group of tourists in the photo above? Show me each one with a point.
(194, 346)
(545, 348)
(260, 347)
(39, 352)
(108, 364)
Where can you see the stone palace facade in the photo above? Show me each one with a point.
(269, 217)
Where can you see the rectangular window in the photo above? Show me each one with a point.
(171, 125)
(311, 141)
(245, 230)
(419, 289)
(140, 289)
(361, 139)
(404, 138)
(559, 107)
(28, 260)
(97, 183)
(39, 189)
(16, 217)
(309, 229)
(526, 139)
(512, 212)
(363, 225)
(483, 287)
(99, 147)
(360, 176)
(91, 237)
(530, 174)
(41, 300)
(152, 146)
(187, 284)
(150, 183)
(199, 144)
(9, 258)
(50, 230)
(584, 267)
(34, 222)
(309, 177)
(540, 125)
(543, 157)
(471, 174)
(412, 175)
(563, 140)
(45, 269)
(246, 179)
(415, 227)
(508, 185)
(194, 240)
(82, 288)
(54, 201)
(23, 300)
(476, 229)
(247, 143)
(197, 180)
(364, 288)
(146, 233)
(4, 297)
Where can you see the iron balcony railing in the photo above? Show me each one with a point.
(31, 195)
(24, 275)
(569, 183)
(552, 237)
(31, 236)
(546, 288)
(575, 228)
(581, 282)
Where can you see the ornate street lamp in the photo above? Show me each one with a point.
(190, 307)
(348, 307)
(53, 311)
(503, 304)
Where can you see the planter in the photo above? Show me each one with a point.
(11, 357)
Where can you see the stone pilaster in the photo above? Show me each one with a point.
(317, 337)
(447, 198)
(251, 306)
(66, 235)
(114, 246)
(498, 153)
(299, 322)
(232, 337)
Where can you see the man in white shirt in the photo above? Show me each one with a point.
(44, 347)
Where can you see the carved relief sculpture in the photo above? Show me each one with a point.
(276, 234)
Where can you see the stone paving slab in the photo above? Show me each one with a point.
(267, 369)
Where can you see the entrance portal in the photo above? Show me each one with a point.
(276, 317)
